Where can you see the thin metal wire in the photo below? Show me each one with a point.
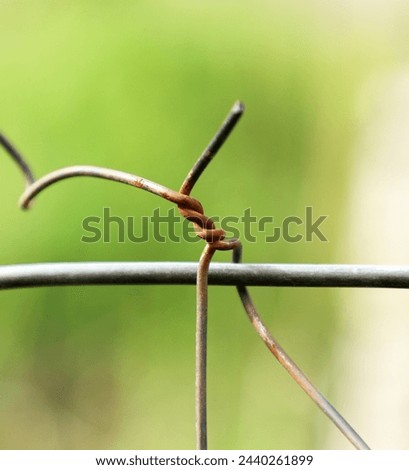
(108, 174)
(220, 274)
(213, 147)
(201, 340)
(190, 209)
(215, 240)
(18, 158)
(289, 365)
(201, 347)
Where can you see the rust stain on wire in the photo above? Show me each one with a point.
(215, 240)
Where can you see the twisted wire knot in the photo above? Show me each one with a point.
(188, 207)
(204, 226)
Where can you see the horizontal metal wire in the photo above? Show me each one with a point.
(227, 274)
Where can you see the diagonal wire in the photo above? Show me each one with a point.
(18, 158)
(213, 147)
(289, 365)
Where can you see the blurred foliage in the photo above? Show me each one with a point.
(142, 86)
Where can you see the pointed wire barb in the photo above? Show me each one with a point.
(213, 147)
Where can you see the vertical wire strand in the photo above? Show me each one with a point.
(201, 347)
(202, 274)
(289, 365)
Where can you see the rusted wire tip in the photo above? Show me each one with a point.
(18, 158)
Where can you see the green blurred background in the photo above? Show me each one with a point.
(142, 86)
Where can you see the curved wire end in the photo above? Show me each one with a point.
(18, 158)
(44, 182)
(25, 201)
(104, 173)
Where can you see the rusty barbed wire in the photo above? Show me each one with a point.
(205, 228)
